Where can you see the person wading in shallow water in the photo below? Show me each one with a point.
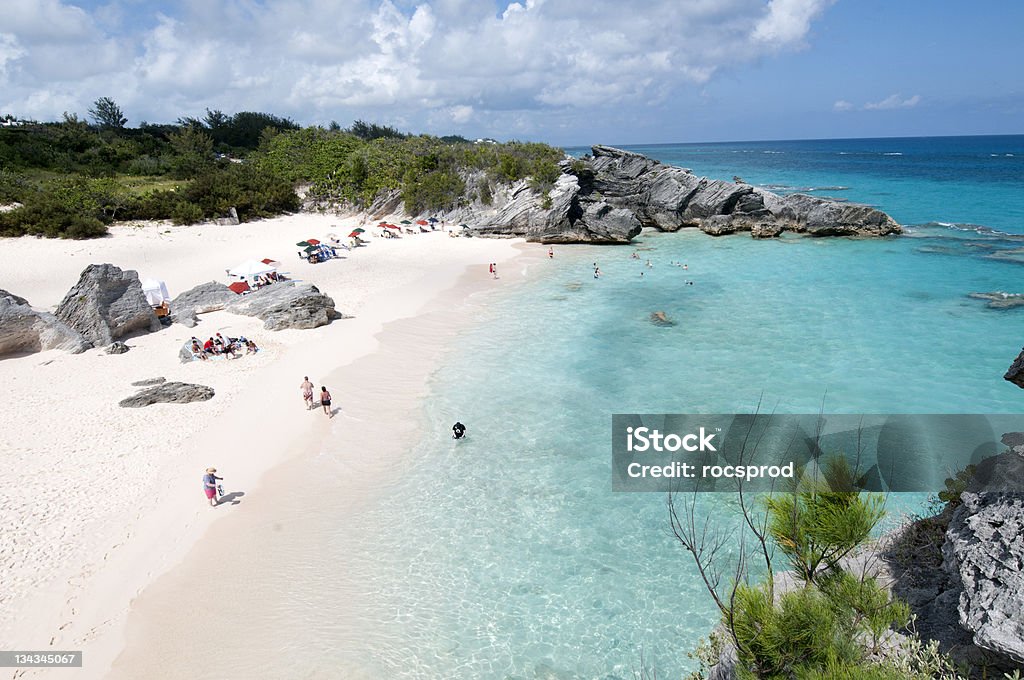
(210, 485)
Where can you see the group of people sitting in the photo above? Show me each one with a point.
(267, 279)
(219, 346)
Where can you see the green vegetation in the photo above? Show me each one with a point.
(832, 619)
(73, 178)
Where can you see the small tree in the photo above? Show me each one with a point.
(107, 114)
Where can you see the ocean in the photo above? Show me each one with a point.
(507, 555)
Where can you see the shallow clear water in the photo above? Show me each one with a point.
(507, 555)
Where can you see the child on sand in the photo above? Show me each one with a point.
(325, 401)
(307, 392)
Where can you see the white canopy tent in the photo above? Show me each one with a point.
(250, 269)
(155, 292)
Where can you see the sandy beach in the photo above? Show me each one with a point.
(103, 500)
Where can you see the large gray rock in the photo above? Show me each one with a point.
(999, 300)
(107, 304)
(566, 216)
(822, 217)
(204, 298)
(287, 305)
(1015, 373)
(25, 330)
(168, 393)
(984, 554)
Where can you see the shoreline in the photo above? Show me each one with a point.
(353, 460)
(81, 600)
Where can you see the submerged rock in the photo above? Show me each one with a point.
(999, 300)
(25, 330)
(169, 393)
(107, 304)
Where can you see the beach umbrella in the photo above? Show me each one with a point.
(155, 292)
(302, 244)
(422, 222)
(406, 222)
(311, 249)
(239, 287)
(354, 234)
(392, 226)
(359, 230)
(312, 242)
(250, 269)
(432, 220)
(270, 263)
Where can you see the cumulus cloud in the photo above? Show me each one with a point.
(893, 101)
(842, 105)
(450, 62)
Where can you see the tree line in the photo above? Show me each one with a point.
(72, 178)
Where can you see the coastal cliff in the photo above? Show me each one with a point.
(612, 194)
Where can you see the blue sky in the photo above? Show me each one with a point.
(568, 72)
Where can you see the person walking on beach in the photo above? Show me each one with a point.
(210, 485)
(551, 253)
(307, 392)
(325, 401)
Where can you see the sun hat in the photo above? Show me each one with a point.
(211, 469)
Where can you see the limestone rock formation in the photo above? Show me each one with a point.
(984, 553)
(107, 304)
(169, 393)
(204, 298)
(287, 305)
(24, 330)
(1015, 373)
(998, 300)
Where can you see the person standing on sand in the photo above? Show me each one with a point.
(551, 253)
(307, 392)
(325, 400)
(210, 485)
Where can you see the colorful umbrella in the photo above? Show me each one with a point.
(302, 244)
(422, 222)
(311, 249)
(354, 234)
(239, 287)
(432, 219)
(392, 226)
(271, 263)
(312, 242)
(406, 222)
(359, 230)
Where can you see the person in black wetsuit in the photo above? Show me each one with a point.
(458, 431)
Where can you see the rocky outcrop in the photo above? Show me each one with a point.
(106, 304)
(204, 298)
(169, 393)
(25, 330)
(149, 382)
(1015, 373)
(962, 571)
(1000, 300)
(564, 215)
(287, 305)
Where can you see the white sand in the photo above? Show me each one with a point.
(99, 500)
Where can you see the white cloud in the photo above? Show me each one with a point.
(894, 101)
(788, 21)
(384, 60)
(842, 105)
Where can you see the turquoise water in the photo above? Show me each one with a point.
(508, 556)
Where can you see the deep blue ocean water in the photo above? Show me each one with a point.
(508, 555)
